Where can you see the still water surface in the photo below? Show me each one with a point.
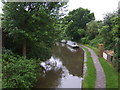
(64, 69)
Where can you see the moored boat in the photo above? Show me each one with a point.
(64, 41)
(72, 44)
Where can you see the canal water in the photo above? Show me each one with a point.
(64, 69)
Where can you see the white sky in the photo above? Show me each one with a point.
(99, 7)
(0, 7)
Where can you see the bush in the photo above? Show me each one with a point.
(85, 40)
(96, 41)
(116, 60)
(39, 51)
(18, 72)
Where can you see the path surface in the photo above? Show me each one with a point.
(100, 75)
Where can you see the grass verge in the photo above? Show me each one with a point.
(90, 77)
(110, 72)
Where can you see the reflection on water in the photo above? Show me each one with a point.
(64, 69)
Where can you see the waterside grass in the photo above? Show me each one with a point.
(110, 72)
(90, 77)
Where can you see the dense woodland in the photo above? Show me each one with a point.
(30, 30)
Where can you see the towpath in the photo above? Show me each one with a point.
(100, 75)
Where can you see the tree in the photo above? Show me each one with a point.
(92, 30)
(109, 29)
(29, 30)
(77, 20)
(30, 24)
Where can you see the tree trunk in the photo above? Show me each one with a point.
(24, 48)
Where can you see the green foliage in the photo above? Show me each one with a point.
(84, 40)
(18, 72)
(31, 22)
(109, 30)
(108, 34)
(94, 42)
(116, 61)
(106, 37)
(39, 50)
(92, 30)
(76, 23)
(29, 30)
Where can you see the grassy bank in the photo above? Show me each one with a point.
(110, 72)
(90, 77)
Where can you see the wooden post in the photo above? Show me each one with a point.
(100, 50)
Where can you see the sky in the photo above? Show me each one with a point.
(0, 7)
(98, 7)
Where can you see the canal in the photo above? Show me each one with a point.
(64, 69)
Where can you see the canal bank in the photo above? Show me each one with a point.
(84, 66)
(100, 81)
(112, 77)
(64, 69)
(90, 71)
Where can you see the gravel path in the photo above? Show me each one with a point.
(100, 75)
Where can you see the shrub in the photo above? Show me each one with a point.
(96, 41)
(39, 51)
(85, 40)
(18, 72)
